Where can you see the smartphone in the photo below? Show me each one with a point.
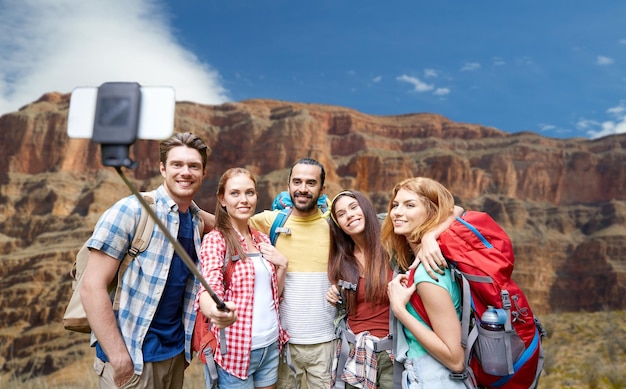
(156, 113)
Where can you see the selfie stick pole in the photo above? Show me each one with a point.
(177, 246)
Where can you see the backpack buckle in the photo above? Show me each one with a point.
(347, 285)
(283, 230)
(459, 376)
(506, 300)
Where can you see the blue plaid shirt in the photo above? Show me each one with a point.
(145, 278)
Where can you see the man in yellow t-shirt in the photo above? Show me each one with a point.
(305, 314)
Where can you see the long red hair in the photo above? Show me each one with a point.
(438, 201)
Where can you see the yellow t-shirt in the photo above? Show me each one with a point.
(305, 313)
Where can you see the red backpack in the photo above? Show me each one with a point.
(507, 352)
(202, 337)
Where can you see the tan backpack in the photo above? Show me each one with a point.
(75, 318)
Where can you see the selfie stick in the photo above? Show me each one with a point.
(116, 127)
(177, 246)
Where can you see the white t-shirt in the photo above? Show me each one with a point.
(264, 322)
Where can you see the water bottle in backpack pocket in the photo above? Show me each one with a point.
(506, 352)
(495, 348)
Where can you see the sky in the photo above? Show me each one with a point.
(554, 67)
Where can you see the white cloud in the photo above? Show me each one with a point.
(56, 46)
(441, 92)
(418, 85)
(609, 127)
(622, 41)
(470, 66)
(546, 127)
(602, 60)
(586, 124)
(377, 79)
(618, 110)
(524, 61)
(497, 61)
(431, 73)
(617, 125)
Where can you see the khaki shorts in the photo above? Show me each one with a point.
(164, 374)
(312, 363)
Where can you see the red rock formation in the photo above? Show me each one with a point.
(561, 200)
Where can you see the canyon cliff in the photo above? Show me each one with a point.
(562, 201)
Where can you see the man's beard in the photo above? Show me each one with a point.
(306, 208)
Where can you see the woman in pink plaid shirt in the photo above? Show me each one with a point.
(252, 328)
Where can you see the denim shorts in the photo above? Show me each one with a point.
(426, 372)
(263, 370)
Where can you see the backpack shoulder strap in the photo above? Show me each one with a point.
(229, 260)
(468, 337)
(143, 233)
(227, 273)
(416, 301)
(277, 225)
(204, 333)
(140, 243)
(323, 203)
(399, 343)
(200, 224)
(256, 235)
(228, 268)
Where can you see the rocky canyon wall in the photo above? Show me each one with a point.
(563, 201)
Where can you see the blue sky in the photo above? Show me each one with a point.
(557, 68)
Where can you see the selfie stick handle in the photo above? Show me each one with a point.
(177, 246)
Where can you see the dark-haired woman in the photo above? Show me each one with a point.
(357, 258)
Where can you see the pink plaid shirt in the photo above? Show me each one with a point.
(239, 335)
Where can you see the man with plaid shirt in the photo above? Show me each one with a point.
(147, 343)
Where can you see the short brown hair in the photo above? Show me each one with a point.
(184, 139)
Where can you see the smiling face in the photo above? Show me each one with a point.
(408, 212)
(182, 172)
(305, 188)
(349, 215)
(239, 198)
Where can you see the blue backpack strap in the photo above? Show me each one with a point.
(277, 226)
(323, 203)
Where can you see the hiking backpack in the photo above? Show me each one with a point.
(203, 341)
(282, 202)
(75, 318)
(346, 336)
(480, 256)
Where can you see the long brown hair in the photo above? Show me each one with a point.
(222, 219)
(439, 203)
(342, 263)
